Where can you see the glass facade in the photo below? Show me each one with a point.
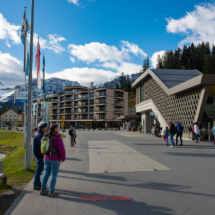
(142, 93)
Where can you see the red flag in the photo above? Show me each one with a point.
(37, 62)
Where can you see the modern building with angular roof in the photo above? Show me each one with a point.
(175, 95)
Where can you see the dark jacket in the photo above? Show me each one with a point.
(179, 127)
(171, 129)
(37, 144)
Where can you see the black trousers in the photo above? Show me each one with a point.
(179, 134)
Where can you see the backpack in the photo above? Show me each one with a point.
(71, 132)
(47, 146)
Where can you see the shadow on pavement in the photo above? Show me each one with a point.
(120, 207)
(206, 155)
(100, 176)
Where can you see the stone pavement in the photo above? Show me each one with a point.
(154, 178)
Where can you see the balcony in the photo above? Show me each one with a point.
(62, 112)
(119, 110)
(53, 106)
(119, 103)
(100, 94)
(69, 99)
(81, 104)
(54, 100)
(82, 97)
(91, 110)
(53, 112)
(53, 118)
(67, 111)
(80, 111)
(119, 95)
(68, 117)
(100, 110)
(100, 102)
(81, 117)
(66, 105)
(100, 117)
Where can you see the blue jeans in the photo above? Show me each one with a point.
(171, 139)
(39, 169)
(197, 137)
(51, 168)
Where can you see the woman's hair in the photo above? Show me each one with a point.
(52, 129)
(35, 129)
(167, 128)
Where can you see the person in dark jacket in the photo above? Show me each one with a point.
(171, 132)
(39, 156)
(180, 130)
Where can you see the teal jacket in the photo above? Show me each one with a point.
(213, 128)
(165, 133)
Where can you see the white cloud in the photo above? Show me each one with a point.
(74, 2)
(197, 26)
(133, 48)
(155, 57)
(72, 59)
(11, 70)
(101, 52)
(8, 31)
(53, 43)
(84, 75)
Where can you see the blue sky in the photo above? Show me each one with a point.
(88, 41)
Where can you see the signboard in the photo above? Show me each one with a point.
(21, 96)
(152, 114)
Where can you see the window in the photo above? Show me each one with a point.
(91, 101)
(142, 93)
(102, 100)
(102, 93)
(91, 95)
(91, 109)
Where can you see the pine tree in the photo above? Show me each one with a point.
(207, 67)
(117, 86)
(146, 64)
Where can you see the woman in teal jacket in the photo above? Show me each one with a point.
(213, 129)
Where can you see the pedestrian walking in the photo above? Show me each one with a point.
(213, 130)
(196, 131)
(166, 136)
(52, 161)
(72, 134)
(180, 130)
(172, 131)
(42, 127)
(152, 129)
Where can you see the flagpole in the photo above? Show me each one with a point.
(24, 67)
(43, 89)
(29, 107)
(37, 93)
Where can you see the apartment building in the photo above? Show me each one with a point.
(88, 108)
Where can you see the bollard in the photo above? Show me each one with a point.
(3, 177)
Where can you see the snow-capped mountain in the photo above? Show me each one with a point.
(52, 85)
(112, 83)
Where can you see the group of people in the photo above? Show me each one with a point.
(52, 160)
(170, 132)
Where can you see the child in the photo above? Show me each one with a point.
(165, 136)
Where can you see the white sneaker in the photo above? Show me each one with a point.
(171, 146)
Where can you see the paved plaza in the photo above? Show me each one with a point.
(154, 178)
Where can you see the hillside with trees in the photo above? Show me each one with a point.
(200, 57)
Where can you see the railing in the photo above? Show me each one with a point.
(100, 102)
(53, 106)
(54, 100)
(68, 117)
(100, 94)
(92, 96)
(62, 99)
(100, 109)
(91, 117)
(68, 111)
(119, 110)
(80, 104)
(92, 103)
(91, 110)
(81, 111)
(69, 98)
(100, 117)
(62, 112)
(53, 112)
(53, 118)
(119, 103)
(83, 97)
(66, 105)
(119, 95)
(81, 117)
